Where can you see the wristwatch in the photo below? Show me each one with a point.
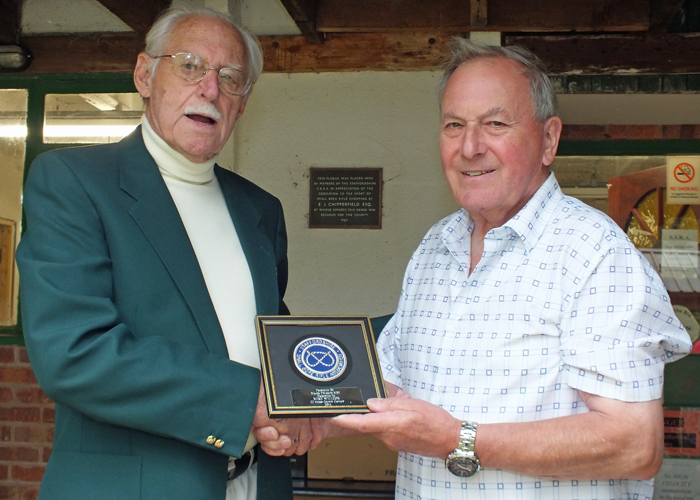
(463, 462)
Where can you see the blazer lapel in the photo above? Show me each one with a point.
(256, 246)
(155, 213)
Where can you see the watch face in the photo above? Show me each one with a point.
(463, 466)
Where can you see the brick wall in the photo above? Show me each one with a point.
(26, 426)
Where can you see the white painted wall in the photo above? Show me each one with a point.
(363, 119)
(68, 16)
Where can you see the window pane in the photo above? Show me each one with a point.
(13, 129)
(90, 118)
(586, 177)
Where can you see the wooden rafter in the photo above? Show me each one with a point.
(503, 15)
(303, 12)
(420, 50)
(478, 12)
(355, 52)
(139, 16)
(608, 54)
(108, 53)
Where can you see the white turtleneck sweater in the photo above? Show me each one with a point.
(202, 207)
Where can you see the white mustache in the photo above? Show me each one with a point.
(205, 109)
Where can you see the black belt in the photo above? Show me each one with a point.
(237, 466)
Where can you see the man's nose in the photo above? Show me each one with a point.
(210, 85)
(473, 141)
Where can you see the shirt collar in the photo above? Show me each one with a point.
(528, 224)
(531, 221)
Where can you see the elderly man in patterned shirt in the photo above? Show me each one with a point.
(527, 353)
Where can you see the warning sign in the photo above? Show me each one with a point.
(682, 179)
(681, 430)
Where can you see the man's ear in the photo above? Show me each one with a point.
(552, 132)
(142, 75)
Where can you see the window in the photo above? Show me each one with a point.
(39, 113)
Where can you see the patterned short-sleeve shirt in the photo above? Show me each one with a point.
(560, 301)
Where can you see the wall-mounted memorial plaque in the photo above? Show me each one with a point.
(346, 198)
(318, 366)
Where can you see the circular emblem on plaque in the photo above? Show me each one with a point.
(320, 359)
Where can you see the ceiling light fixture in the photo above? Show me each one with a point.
(14, 58)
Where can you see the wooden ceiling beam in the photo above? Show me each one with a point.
(397, 51)
(503, 15)
(608, 54)
(139, 16)
(303, 12)
(10, 21)
(355, 52)
(103, 53)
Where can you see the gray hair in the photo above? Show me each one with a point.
(161, 30)
(544, 99)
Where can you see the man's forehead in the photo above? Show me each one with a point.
(194, 33)
(493, 86)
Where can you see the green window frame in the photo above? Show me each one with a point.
(37, 87)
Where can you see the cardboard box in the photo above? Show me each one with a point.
(362, 458)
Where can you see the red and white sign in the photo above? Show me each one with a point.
(682, 432)
(683, 180)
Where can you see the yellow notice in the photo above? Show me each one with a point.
(683, 180)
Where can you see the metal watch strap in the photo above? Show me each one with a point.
(464, 454)
(467, 437)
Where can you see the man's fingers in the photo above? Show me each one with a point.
(402, 402)
(319, 429)
(366, 424)
(268, 433)
(276, 448)
(304, 439)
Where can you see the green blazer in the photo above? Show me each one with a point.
(123, 336)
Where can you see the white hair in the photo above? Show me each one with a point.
(544, 98)
(157, 37)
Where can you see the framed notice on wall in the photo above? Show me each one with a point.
(345, 198)
(7, 272)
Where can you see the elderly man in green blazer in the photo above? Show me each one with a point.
(142, 269)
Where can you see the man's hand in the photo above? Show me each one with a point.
(282, 436)
(406, 424)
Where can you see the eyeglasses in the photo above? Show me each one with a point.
(193, 68)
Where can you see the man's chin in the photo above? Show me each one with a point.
(197, 155)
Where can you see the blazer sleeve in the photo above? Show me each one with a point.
(83, 353)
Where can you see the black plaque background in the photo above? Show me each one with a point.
(345, 198)
(276, 336)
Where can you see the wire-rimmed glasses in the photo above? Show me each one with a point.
(194, 68)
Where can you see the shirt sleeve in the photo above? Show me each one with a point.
(619, 329)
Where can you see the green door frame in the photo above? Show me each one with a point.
(37, 87)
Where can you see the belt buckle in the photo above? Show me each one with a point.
(231, 467)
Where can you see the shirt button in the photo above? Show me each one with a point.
(211, 440)
(219, 443)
